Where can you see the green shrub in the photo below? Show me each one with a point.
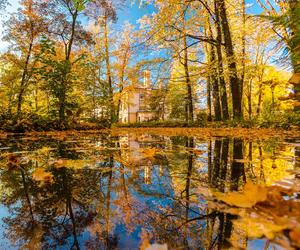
(279, 119)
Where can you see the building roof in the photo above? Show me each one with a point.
(134, 87)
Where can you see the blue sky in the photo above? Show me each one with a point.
(131, 13)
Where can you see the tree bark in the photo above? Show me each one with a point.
(108, 72)
(223, 92)
(215, 86)
(24, 80)
(243, 48)
(208, 97)
(208, 79)
(233, 77)
(250, 99)
(67, 71)
(190, 108)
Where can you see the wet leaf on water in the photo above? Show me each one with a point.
(197, 152)
(259, 227)
(13, 162)
(40, 174)
(251, 195)
(295, 236)
(149, 152)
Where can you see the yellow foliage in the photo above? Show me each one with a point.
(40, 174)
(149, 152)
(259, 227)
(251, 195)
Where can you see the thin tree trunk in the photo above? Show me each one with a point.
(243, 48)
(237, 167)
(108, 72)
(68, 65)
(23, 80)
(190, 109)
(214, 80)
(259, 102)
(208, 96)
(250, 99)
(208, 81)
(215, 85)
(233, 77)
(223, 92)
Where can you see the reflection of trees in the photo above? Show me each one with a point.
(237, 167)
(90, 206)
(218, 176)
(60, 210)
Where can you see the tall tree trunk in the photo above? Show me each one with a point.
(259, 101)
(108, 72)
(250, 99)
(216, 166)
(67, 71)
(237, 167)
(212, 75)
(215, 85)
(223, 92)
(24, 80)
(223, 164)
(190, 108)
(243, 48)
(233, 77)
(208, 79)
(208, 97)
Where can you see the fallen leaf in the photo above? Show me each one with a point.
(259, 227)
(251, 195)
(149, 152)
(295, 236)
(41, 175)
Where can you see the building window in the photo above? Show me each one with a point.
(142, 101)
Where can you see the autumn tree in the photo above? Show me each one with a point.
(23, 31)
(102, 13)
(284, 16)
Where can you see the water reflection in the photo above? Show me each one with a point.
(104, 192)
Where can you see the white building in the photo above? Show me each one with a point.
(134, 106)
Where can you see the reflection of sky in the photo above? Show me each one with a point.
(4, 242)
(147, 199)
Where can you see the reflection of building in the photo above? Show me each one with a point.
(134, 106)
(147, 174)
(132, 154)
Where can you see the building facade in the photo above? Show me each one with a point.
(134, 106)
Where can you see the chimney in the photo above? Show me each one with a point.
(147, 80)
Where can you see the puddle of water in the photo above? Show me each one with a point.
(121, 192)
